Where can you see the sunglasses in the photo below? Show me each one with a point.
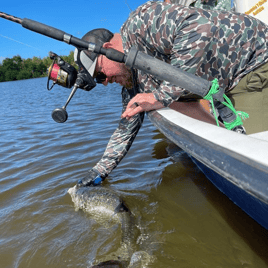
(100, 76)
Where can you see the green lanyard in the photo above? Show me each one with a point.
(239, 115)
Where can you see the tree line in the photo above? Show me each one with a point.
(16, 68)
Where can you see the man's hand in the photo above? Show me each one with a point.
(142, 102)
(91, 179)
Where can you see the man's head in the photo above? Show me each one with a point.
(102, 69)
(89, 59)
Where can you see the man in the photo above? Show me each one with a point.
(106, 71)
(211, 44)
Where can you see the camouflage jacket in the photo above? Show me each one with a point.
(208, 43)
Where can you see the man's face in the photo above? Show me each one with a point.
(116, 72)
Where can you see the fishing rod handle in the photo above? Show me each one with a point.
(164, 71)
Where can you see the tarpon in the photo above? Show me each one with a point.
(105, 205)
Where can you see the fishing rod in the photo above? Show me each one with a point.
(66, 75)
(135, 58)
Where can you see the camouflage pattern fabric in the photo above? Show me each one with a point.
(213, 4)
(122, 138)
(208, 43)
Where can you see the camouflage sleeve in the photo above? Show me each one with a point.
(163, 91)
(121, 140)
(167, 93)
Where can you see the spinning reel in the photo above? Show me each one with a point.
(64, 74)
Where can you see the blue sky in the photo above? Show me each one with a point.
(75, 17)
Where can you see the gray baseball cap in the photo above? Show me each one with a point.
(88, 58)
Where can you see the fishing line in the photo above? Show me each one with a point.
(59, 50)
(20, 42)
(128, 5)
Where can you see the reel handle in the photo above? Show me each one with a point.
(71, 95)
(60, 115)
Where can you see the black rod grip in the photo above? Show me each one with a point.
(79, 43)
(115, 55)
(167, 72)
(110, 53)
(43, 29)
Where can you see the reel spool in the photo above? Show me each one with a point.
(60, 72)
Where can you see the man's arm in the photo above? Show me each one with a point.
(122, 138)
(118, 145)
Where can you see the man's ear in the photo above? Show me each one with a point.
(107, 45)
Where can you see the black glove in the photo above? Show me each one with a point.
(92, 178)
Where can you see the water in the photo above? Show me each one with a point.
(183, 220)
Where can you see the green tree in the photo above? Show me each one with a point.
(2, 74)
(47, 61)
(11, 67)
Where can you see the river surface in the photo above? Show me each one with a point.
(183, 220)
